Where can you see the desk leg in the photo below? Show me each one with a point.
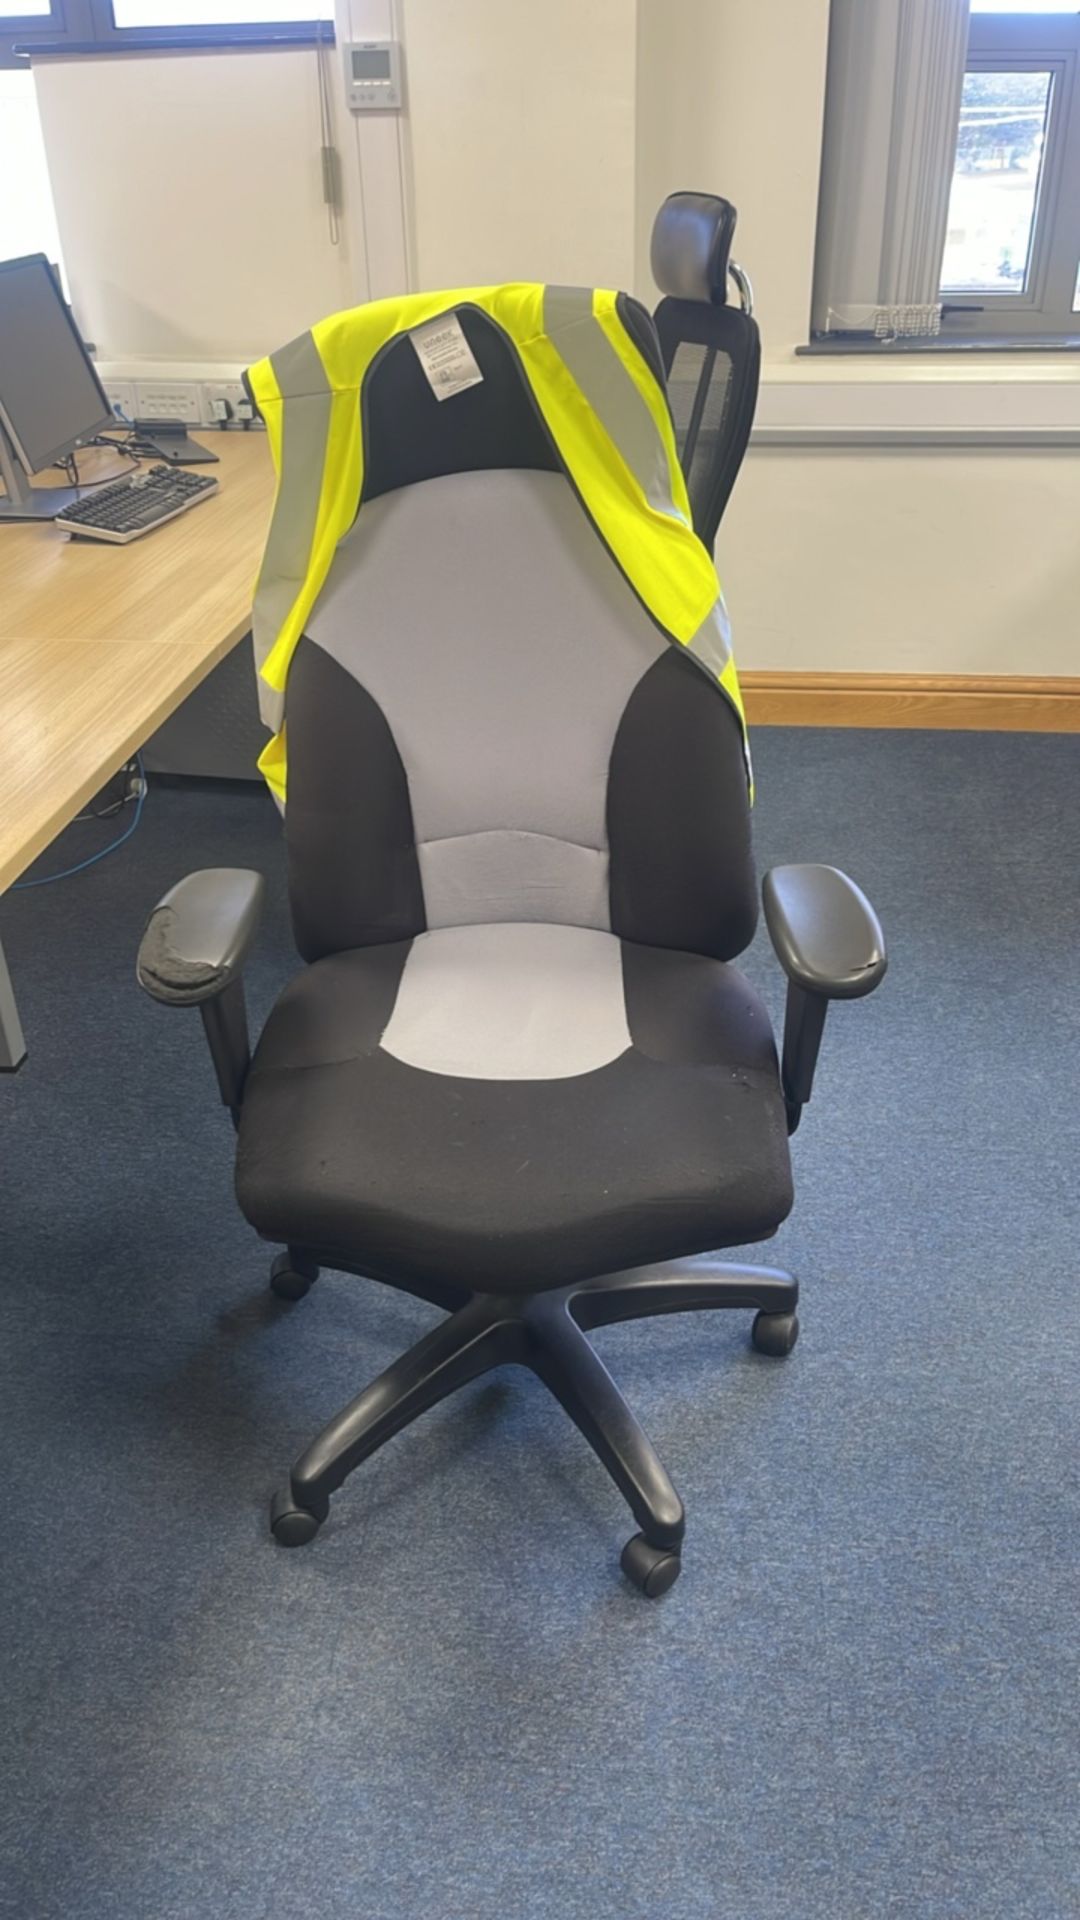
(12, 1044)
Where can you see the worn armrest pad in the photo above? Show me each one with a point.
(198, 935)
(827, 937)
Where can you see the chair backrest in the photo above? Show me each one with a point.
(484, 722)
(711, 352)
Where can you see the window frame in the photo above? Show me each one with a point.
(52, 29)
(1019, 43)
(87, 27)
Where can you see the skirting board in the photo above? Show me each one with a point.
(997, 703)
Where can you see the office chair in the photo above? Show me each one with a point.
(711, 352)
(519, 1075)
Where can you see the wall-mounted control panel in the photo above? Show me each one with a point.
(372, 75)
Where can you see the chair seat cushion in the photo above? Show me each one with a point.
(514, 1107)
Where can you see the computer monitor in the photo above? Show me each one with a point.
(50, 395)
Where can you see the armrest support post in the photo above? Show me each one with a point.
(804, 1024)
(225, 1024)
(192, 955)
(828, 940)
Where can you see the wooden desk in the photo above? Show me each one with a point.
(99, 644)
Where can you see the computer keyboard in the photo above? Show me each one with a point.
(133, 507)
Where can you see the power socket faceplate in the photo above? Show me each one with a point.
(213, 398)
(121, 397)
(156, 401)
(231, 391)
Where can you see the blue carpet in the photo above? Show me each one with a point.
(861, 1698)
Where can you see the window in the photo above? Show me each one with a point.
(1004, 117)
(27, 220)
(27, 20)
(1011, 256)
(218, 13)
(93, 25)
(950, 187)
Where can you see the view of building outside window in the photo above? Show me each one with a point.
(1003, 119)
(217, 13)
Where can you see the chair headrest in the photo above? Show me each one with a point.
(691, 241)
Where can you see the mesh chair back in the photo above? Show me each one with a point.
(711, 352)
(712, 358)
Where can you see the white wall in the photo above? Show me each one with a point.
(731, 97)
(521, 123)
(905, 561)
(219, 250)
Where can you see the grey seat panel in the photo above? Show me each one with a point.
(502, 644)
(504, 874)
(510, 1002)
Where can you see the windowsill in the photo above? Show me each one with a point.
(942, 343)
(977, 400)
(986, 370)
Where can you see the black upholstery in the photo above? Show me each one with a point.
(639, 325)
(409, 435)
(711, 351)
(348, 814)
(518, 1185)
(677, 810)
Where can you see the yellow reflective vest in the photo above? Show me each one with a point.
(604, 409)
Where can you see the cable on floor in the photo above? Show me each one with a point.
(65, 873)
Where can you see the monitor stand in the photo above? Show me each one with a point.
(22, 501)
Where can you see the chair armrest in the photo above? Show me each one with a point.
(192, 954)
(829, 941)
(199, 934)
(824, 931)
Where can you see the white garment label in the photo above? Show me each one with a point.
(446, 357)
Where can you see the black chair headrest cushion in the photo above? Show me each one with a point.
(691, 242)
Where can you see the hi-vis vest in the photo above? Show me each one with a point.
(606, 415)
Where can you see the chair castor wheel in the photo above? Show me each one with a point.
(288, 1280)
(291, 1526)
(775, 1333)
(652, 1569)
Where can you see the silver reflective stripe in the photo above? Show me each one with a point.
(710, 647)
(305, 392)
(711, 644)
(585, 349)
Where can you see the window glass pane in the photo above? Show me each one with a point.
(995, 185)
(1076, 294)
(218, 13)
(27, 220)
(19, 9)
(1024, 6)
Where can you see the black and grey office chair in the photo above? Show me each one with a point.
(519, 1075)
(711, 351)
